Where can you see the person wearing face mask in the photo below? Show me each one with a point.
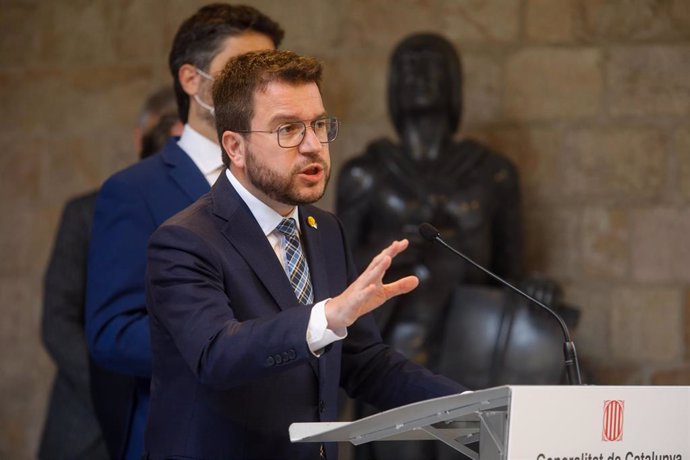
(135, 201)
(74, 420)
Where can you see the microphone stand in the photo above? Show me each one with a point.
(572, 366)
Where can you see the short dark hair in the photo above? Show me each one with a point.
(199, 38)
(234, 88)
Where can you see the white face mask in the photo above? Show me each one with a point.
(210, 108)
(206, 106)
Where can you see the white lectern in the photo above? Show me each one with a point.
(534, 422)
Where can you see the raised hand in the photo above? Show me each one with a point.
(368, 292)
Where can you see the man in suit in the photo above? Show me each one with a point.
(135, 201)
(257, 313)
(71, 429)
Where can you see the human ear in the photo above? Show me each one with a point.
(189, 79)
(234, 146)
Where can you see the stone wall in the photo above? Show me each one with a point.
(590, 98)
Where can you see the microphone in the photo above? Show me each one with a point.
(572, 366)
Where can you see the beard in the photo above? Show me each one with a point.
(283, 188)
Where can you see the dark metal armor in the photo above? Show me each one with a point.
(470, 193)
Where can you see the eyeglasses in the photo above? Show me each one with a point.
(291, 134)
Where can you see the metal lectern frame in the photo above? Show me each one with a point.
(455, 420)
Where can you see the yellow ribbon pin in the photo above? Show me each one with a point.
(312, 222)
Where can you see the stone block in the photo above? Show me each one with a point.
(619, 375)
(687, 325)
(26, 236)
(659, 253)
(75, 100)
(605, 243)
(80, 33)
(21, 45)
(379, 26)
(107, 95)
(649, 80)
(551, 83)
(676, 376)
(344, 94)
(317, 31)
(21, 163)
(29, 92)
(632, 20)
(550, 21)
(646, 325)
(481, 90)
(591, 336)
(26, 372)
(485, 21)
(537, 154)
(72, 167)
(682, 151)
(615, 164)
(136, 34)
(680, 14)
(551, 241)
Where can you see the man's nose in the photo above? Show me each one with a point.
(311, 142)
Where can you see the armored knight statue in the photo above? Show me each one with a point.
(457, 322)
(467, 191)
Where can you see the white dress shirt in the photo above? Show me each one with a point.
(318, 334)
(206, 154)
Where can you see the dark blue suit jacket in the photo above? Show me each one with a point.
(231, 366)
(130, 206)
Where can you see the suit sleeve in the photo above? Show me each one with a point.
(63, 294)
(117, 325)
(188, 304)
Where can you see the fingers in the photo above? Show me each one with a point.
(368, 292)
(375, 271)
(401, 286)
(395, 248)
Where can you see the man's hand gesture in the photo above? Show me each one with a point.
(368, 292)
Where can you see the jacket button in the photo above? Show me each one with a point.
(278, 359)
(322, 406)
(286, 357)
(270, 361)
(291, 354)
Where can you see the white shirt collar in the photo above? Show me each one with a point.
(266, 216)
(205, 153)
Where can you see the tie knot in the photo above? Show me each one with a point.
(287, 227)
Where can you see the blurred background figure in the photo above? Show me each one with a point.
(133, 202)
(458, 321)
(72, 427)
(158, 121)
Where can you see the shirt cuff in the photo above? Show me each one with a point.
(318, 334)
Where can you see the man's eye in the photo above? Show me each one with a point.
(320, 124)
(289, 128)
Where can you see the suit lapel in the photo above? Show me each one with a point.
(183, 171)
(244, 233)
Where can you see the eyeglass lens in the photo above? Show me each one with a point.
(291, 134)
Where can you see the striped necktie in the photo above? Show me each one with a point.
(295, 263)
